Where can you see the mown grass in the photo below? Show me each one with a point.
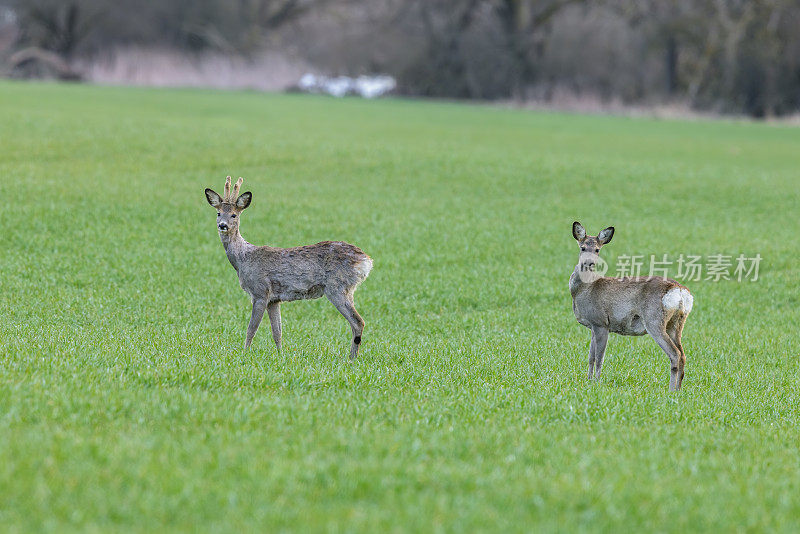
(126, 402)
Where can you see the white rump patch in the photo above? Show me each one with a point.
(678, 298)
(364, 267)
(687, 299)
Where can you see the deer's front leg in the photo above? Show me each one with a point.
(259, 305)
(600, 337)
(592, 347)
(274, 312)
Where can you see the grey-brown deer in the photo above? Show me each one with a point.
(273, 275)
(631, 306)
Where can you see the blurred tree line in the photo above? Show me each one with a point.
(737, 56)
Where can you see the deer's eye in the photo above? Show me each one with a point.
(233, 215)
(583, 249)
(218, 214)
(597, 250)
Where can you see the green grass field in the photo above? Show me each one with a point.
(126, 402)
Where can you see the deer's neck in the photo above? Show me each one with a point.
(575, 282)
(235, 248)
(580, 279)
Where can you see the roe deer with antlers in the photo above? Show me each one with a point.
(273, 275)
(628, 306)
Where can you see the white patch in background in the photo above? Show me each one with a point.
(363, 86)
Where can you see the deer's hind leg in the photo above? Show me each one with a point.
(658, 332)
(674, 331)
(343, 300)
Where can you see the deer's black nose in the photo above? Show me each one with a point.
(222, 226)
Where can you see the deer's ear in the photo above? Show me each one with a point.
(213, 198)
(244, 200)
(578, 232)
(606, 235)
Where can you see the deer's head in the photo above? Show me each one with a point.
(229, 207)
(589, 256)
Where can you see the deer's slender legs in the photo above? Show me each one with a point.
(344, 303)
(600, 338)
(259, 305)
(659, 334)
(274, 312)
(592, 347)
(674, 330)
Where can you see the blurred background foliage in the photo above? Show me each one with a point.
(721, 56)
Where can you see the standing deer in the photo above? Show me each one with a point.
(627, 306)
(273, 275)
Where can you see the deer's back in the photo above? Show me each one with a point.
(623, 305)
(304, 272)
